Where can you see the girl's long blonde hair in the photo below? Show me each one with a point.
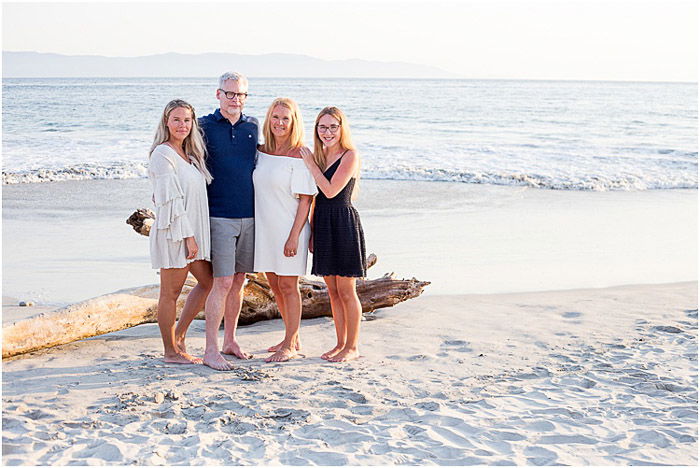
(345, 141)
(193, 144)
(296, 126)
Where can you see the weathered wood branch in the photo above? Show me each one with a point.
(134, 306)
(131, 307)
(141, 220)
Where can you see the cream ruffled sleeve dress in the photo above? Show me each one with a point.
(182, 210)
(279, 180)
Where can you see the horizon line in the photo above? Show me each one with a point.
(568, 80)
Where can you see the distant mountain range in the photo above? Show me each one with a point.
(44, 65)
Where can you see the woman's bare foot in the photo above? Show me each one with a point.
(283, 355)
(181, 358)
(345, 355)
(278, 346)
(329, 354)
(217, 362)
(234, 349)
(180, 344)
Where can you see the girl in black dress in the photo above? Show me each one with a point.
(337, 240)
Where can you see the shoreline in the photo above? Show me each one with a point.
(12, 311)
(594, 376)
(463, 238)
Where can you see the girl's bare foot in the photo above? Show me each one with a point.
(180, 344)
(345, 355)
(329, 354)
(181, 358)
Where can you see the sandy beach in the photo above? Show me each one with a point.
(582, 377)
(532, 166)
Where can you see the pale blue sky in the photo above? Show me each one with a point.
(609, 40)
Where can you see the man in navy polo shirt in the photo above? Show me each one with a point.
(231, 139)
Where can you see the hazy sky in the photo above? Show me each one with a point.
(611, 39)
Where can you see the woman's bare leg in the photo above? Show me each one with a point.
(171, 282)
(273, 280)
(201, 269)
(289, 289)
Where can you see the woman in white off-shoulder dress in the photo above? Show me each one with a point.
(179, 237)
(284, 190)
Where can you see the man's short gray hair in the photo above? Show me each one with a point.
(235, 76)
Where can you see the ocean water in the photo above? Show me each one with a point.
(591, 136)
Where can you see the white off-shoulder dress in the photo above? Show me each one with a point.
(182, 210)
(278, 181)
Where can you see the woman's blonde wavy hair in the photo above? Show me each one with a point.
(296, 126)
(194, 143)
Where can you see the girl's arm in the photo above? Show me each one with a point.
(311, 223)
(346, 170)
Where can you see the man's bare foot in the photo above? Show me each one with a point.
(278, 346)
(234, 349)
(181, 358)
(329, 354)
(216, 361)
(283, 355)
(345, 355)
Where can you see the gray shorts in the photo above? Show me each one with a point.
(232, 245)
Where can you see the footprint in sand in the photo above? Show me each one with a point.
(459, 346)
(539, 456)
(540, 426)
(418, 357)
(571, 314)
(454, 342)
(345, 393)
(561, 357)
(413, 430)
(37, 414)
(428, 405)
(667, 329)
(362, 410)
(651, 437)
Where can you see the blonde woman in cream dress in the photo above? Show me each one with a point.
(179, 236)
(284, 190)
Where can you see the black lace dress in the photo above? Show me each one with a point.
(339, 242)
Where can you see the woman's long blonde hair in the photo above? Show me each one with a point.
(345, 141)
(193, 144)
(296, 126)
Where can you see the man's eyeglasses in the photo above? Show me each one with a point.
(322, 128)
(232, 95)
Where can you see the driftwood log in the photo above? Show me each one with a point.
(134, 306)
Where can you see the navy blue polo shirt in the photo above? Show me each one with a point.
(231, 152)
